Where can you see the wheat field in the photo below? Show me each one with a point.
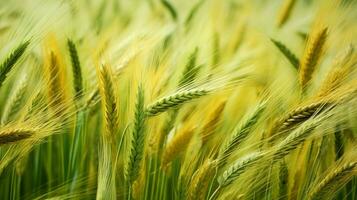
(178, 99)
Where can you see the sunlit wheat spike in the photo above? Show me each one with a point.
(285, 12)
(170, 8)
(11, 60)
(287, 53)
(174, 100)
(241, 132)
(312, 55)
(76, 68)
(109, 100)
(200, 181)
(333, 180)
(238, 167)
(15, 101)
(177, 145)
(340, 70)
(14, 135)
(138, 139)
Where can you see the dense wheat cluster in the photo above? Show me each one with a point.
(178, 99)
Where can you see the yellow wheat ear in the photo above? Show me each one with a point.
(312, 55)
(285, 11)
(55, 72)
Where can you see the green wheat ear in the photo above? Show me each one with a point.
(76, 68)
(174, 100)
(169, 7)
(138, 139)
(287, 53)
(11, 60)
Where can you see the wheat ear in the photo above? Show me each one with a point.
(200, 181)
(54, 77)
(287, 53)
(191, 70)
(300, 115)
(109, 101)
(212, 122)
(174, 100)
(238, 167)
(14, 104)
(170, 8)
(138, 140)
(177, 145)
(339, 72)
(312, 55)
(333, 180)
(297, 137)
(76, 68)
(106, 169)
(11, 60)
(285, 12)
(14, 135)
(241, 132)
